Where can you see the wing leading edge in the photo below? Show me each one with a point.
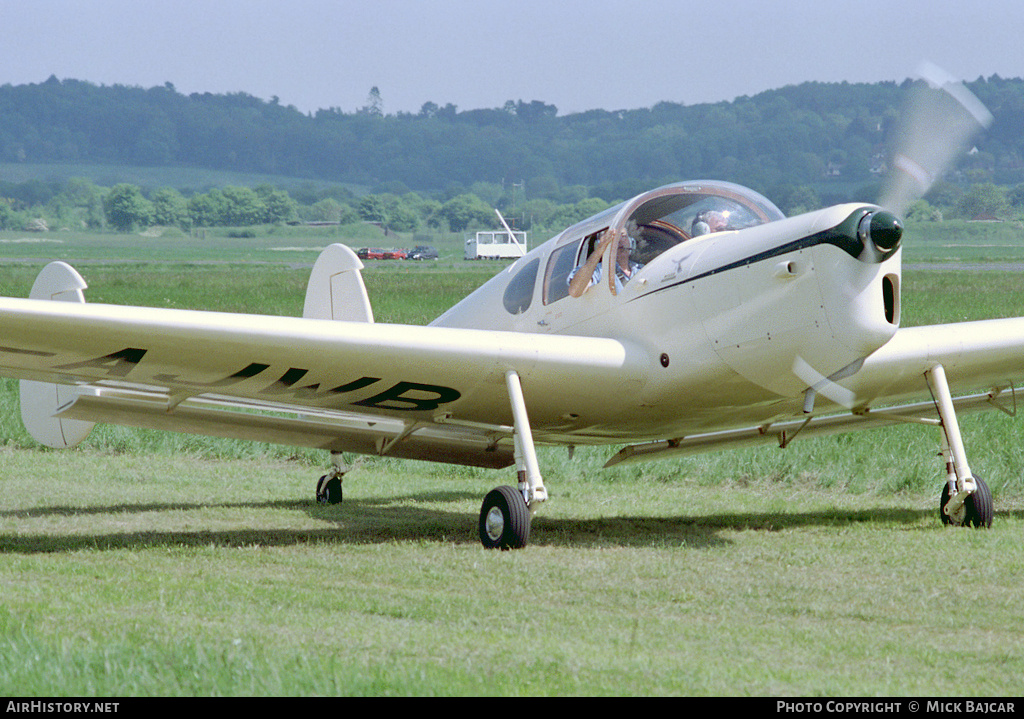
(983, 360)
(420, 392)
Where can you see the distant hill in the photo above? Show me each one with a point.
(809, 134)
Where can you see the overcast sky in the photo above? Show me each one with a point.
(575, 54)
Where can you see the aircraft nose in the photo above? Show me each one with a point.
(881, 232)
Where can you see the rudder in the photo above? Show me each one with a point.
(336, 290)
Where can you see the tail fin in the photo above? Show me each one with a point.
(40, 401)
(336, 290)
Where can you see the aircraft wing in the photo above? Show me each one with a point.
(409, 391)
(986, 354)
(983, 360)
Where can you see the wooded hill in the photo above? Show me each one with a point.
(829, 136)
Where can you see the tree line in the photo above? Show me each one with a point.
(81, 204)
(441, 168)
(813, 134)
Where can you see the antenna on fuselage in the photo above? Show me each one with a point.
(511, 235)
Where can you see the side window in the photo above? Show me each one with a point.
(519, 292)
(556, 279)
(561, 263)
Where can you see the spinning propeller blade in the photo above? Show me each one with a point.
(940, 117)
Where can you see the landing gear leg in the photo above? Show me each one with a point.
(966, 499)
(506, 512)
(328, 487)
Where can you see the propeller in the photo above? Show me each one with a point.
(940, 117)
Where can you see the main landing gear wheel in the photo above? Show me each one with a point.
(978, 506)
(328, 490)
(504, 519)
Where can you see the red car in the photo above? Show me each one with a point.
(376, 253)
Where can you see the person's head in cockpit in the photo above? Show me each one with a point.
(709, 221)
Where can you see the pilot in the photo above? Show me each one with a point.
(625, 267)
(709, 221)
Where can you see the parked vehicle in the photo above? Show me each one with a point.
(377, 253)
(422, 252)
(495, 245)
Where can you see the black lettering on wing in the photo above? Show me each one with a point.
(286, 385)
(412, 397)
(116, 364)
(241, 375)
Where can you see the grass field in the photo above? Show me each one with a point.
(154, 564)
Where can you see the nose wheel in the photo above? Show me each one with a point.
(977, 509)
(966, 500)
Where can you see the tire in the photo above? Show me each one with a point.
(504, 519)
(328, 490)
(978, 507)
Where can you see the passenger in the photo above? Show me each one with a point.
(625, 267)
(709, 221)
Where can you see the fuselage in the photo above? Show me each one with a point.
(734, 327)
(725, 314)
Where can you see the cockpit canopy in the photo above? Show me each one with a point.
(648, 225)
(672, 214)
(653, 222)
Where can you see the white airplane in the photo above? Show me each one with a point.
(725, 324)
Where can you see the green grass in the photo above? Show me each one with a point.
(277, 245)
(223, 578)
(151, 177)
(962, 241)
(147, 563)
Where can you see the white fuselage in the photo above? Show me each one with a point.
(732, 328)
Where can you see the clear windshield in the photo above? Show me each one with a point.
(669, 215)
(645, 227)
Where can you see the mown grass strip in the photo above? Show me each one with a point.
(155, 564)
